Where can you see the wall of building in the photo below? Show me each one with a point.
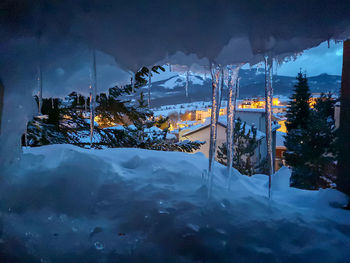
(204, 136)
(253, 118)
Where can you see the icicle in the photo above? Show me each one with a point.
(220, 92)
(40, 86)
(93, 90)
(236, 96)
(268, 115)
(26, 135)
(1, 101)
(215, 72)
(132, 82)
(187, 82)
(149, 88)
(328, 42)
(232, 84)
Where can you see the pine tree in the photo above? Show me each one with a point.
(310, 140)
(67, 124)
(320, 145)
(245, 143)
(299, 110)
(298, 113)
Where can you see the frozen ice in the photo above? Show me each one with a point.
(268, 118)
(231, 108)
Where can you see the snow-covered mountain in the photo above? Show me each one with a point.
(169, 87)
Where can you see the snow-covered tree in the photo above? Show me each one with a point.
(298, 113)
(310, 140)
(245, 144)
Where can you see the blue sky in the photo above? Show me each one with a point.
(316, 61)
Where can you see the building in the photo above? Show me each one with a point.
(280, 150)
(201, 132)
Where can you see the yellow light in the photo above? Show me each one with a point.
(283, 126)
(275, 102)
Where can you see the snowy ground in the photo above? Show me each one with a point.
(61, 203)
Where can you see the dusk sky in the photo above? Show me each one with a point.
(316, 61)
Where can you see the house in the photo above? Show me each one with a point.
(280, 150)
(201, 132)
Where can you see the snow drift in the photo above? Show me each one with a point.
(61, 203)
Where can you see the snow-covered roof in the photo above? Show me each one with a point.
(280, 138)
(250, 110)
(223, 122)
(166, 110)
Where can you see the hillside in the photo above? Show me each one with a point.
(170, 89)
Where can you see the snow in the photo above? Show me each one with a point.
(181, 108)
(223, 121)
(178, 80)
(173, 83)
(61, 203)
(280, 138)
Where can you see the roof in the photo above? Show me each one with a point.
(280, 138)
(222, 122)
(250, 110)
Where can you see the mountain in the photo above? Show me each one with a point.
(171, 89)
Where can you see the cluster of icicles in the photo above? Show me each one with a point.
(221, 76)
(229, 76)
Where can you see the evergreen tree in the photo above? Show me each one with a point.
(310, 140)
(245, 143)
(298, 109)
(319, 146)
(298, 113)
(66, 122)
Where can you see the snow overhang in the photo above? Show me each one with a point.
(139, 33)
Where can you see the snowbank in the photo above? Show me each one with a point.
(60, 203)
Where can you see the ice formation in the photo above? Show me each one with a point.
(40, 88)
(93, 93)
(149, 87)
(187, 82)
(231, 107)
(268, 115)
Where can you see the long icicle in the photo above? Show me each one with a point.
(40, 86)
(268, 116)
(187, 82)
(215, 73)
(149, 88)
(220, 92)
(26, 135)
(236, 96)
(93, 90)
(231, 110)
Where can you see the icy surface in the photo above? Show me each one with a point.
(215, 108)
(61, 203)
(268, 119)
(231, 106)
